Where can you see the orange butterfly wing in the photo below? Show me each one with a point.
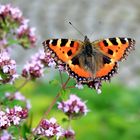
(116, 49)
(65, 50)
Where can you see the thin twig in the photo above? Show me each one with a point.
(61, 79)
(22, 85)
(69, 87)
(51, 105)
(17, 89)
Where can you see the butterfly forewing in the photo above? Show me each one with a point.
(65, 49)
(116, 48)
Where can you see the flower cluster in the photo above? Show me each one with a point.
(33, 69)
(6, 136)
(69, 134)
(18, 96)
(7, 68)
(26, 35)
(45, 59)
(12, 116)
(13, 22)
(49, 128)
(73, 107)
(35, 66)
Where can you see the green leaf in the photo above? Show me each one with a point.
(11, 42)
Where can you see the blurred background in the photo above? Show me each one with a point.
(115, 114)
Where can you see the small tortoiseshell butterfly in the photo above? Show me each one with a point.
(90, 61)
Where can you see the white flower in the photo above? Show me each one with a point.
(52, 64)
(5, 69)
(3, 119)
(6, 136)
(28, 104)
(73, 107)
(19, 96)
(49, 132)
(16, 120)
(79, 86)
(52, 120)
(76, 109)
(17, 108)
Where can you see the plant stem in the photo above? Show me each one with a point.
(51, 105)
(61, 77)
(17, 89)
(22, 85)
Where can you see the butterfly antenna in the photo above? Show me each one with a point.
(76, 29)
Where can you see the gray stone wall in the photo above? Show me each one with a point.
(101, 18)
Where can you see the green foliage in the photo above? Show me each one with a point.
(114, 114)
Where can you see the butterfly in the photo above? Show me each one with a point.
(88, 61)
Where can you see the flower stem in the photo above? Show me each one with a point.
(51, 105)
(17, 89)
(22, 85)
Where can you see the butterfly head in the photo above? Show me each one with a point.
(86, 39)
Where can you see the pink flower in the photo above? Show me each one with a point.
(4, 121)
(69, 134)
(20, 97)
(17, 27)
(16, 114)
(73, 107)
(7, 68)
(33, 69)
(49, 128)
(79, 86)
(6, 136)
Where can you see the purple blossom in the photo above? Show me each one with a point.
(35, 66)
(45, 58)
(16, 114)
(6, 136)
(17, 26)
(49, 128)
(24, 31)
(33, 69)
(7, 68)
(12, 116)
(69, 134)
(4, 121)
(8, 10)
(74, 107)
(79, 86)
(20, 97)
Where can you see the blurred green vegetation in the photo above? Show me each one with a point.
(114, 114)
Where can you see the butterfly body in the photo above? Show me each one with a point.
(87, 61)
